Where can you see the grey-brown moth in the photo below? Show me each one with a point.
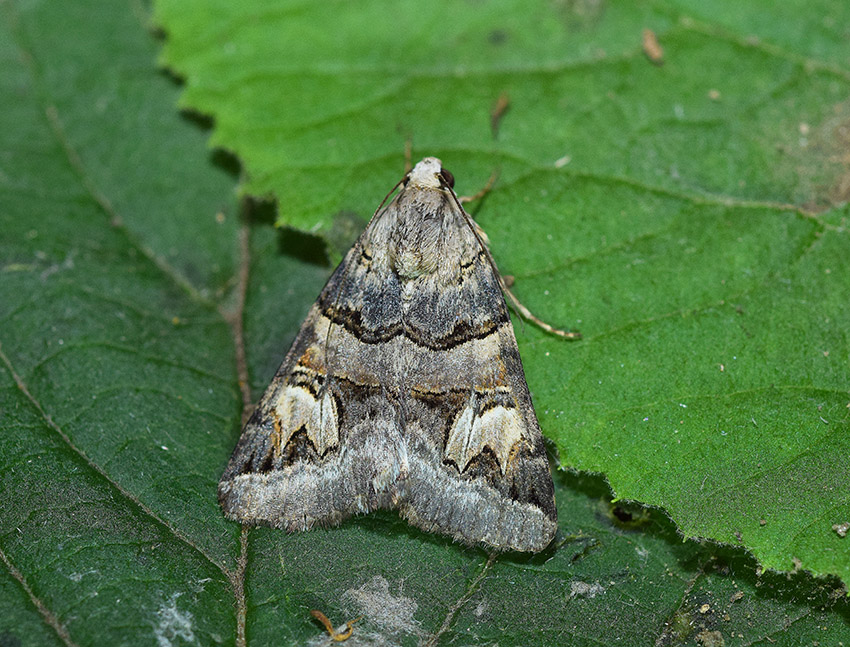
(404, 389)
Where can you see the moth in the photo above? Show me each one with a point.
(403, 390)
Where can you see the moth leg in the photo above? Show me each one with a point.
(525, 313)
(408, 152)
(499, 109)
(463, 199)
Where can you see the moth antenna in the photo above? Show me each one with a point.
(523, 312)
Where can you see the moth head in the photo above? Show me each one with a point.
(430, 173)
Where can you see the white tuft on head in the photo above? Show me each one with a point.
(427, 173)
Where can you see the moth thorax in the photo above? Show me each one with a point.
(416, 248)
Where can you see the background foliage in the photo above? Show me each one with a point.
(687, 217)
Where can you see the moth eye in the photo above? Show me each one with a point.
(448, 178)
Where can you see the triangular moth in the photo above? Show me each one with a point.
(404, 389)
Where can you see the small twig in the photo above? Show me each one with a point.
(337, 636)
(652, 48)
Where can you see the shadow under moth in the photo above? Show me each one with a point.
(404, 389)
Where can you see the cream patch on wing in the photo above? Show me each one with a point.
(498, 428)
(361, 363)
(296, 407)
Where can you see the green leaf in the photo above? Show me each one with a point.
(120, 259)
(680, 215)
